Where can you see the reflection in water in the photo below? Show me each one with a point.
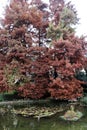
(15, 121)
(12, 122)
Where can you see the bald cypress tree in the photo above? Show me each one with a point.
(39, 51)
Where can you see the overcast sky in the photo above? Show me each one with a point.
(81, 7)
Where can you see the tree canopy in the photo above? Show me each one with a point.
(39, 52)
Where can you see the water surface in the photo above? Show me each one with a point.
(11, 121)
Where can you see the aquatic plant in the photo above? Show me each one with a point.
(72, 115)
(37, 112)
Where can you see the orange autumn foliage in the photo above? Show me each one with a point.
(36, 64)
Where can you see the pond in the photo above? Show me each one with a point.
(11, 121)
